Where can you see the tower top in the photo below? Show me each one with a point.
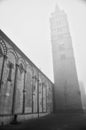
(57, 9)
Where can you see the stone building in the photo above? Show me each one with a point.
(83, 95)
(24, 90)
(67, 92)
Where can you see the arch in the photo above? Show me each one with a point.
(28, 88)
(21, 60)
(28, 65)
(4, 48)
(20, 86)
(10, 50)
(8, 81)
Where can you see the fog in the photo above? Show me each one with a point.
(26, 23)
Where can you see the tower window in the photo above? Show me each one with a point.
(63, 56)
(61, 47)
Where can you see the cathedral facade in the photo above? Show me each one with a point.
(24, 90)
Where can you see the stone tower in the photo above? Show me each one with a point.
(67, 92)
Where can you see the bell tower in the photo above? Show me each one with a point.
(67, 92)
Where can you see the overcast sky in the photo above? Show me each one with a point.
(26, 23)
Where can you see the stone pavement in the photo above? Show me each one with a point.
(72, 121)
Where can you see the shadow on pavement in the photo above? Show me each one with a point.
(52, 122)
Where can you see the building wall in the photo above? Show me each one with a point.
(83, 95)
(67, 92)
(24, 89)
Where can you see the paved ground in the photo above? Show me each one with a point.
(52, 122)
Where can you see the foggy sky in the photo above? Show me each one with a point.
(26, 23)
